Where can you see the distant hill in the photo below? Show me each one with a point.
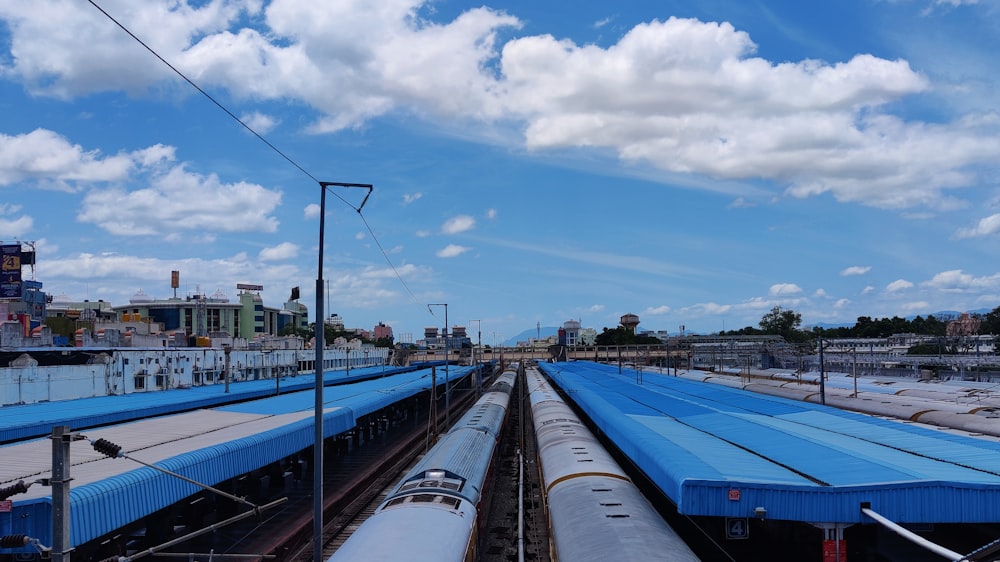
(526, 335)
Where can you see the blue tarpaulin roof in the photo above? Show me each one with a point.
(723, 451)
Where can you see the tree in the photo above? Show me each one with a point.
(784, 323)
(622, 336)
(990, 322)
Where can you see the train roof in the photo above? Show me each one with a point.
(720, 451)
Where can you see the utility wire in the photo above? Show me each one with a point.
(203, 92)
(263, 140)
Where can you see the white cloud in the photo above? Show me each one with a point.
(359, 235)
(656, 311)
(15, 228)
(958, 281)
(50, 161)
(311, 211)
(841, 303)
(405, 270)
(783, 289)
(688, 96)
(596, 308)
(117, 276)
(283, 251)
(821, 293)
(603, 22)
(411, 197)
(179, 200)
(422, 233)
(457, 224)
(956, 2)
(491, 214)
(259, 122)
(898, 285)
(740, 203)
(708, 308)
(868, 289)
(917, 306)
(855, 270)
(985, 227)
(451, 251)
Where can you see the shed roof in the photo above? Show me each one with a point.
(722, 451)
(209, 445)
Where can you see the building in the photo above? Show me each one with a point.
(214, 316)
(432, 340)
(335, 322)
(382, 331)
(570, 333)
(21, 299)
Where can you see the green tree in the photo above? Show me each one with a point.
(384, 342)
(621, 336)
(784, 323)
(991, 322)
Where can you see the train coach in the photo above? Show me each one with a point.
(595, 511)
(437, 511)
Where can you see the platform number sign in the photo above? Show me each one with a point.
(737, 528)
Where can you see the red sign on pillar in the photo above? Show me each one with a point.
(834, 551)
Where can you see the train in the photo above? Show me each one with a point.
(437, 511)
(595, 511)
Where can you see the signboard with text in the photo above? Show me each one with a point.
(10, 271)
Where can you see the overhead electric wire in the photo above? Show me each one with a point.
(289, 159)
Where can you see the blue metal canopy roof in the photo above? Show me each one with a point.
(722, 451)
(209, 446)
(36, 420)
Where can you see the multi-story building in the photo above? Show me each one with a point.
(214, 315)
(382, 331)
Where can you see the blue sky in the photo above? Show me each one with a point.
(695, 163)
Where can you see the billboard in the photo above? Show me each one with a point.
(10, 271)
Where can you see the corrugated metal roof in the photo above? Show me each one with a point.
(209, 446)
(800, 461)
(35, 420)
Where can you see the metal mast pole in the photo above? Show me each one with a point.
(318, 406)
(447, 361)
(61, 438)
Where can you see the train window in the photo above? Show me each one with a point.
(434, 479)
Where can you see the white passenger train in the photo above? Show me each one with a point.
(437, 510)
(595, 511)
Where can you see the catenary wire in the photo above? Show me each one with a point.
(270, 145)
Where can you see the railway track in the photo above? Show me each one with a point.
(357, 496)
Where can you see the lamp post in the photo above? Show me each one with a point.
(475, 361)
(447, 389)
(318, 400)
